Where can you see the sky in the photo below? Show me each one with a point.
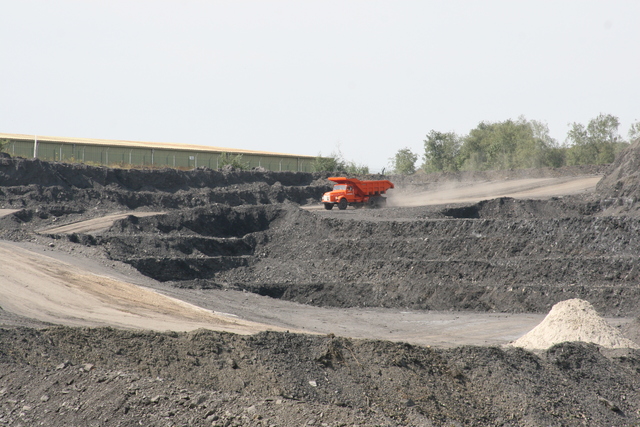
(363, 78)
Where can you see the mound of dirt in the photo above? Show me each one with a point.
(507, 207)
(501, 263)
(22, 172)
(573, 320)
(71, 376)
(623, 177)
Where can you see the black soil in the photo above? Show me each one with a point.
(104, 377)
(248, 230)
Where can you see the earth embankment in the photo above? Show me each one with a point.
(70, 376)
(503, 255)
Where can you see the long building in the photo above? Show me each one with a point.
(145, 154)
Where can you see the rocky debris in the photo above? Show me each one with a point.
(70, 376)
(573, 320)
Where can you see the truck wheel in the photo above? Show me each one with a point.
(342, 204)
(372, 203)
(328, 206)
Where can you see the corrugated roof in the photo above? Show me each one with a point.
(141, 144)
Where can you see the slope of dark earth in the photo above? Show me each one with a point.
(29, 183)
(520, 258)
(64, 376)
(620, 188)
(232, 229)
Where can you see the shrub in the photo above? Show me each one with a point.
(235, 162)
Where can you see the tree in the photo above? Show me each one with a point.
(597, 143)
(511, 144)
(3, 144)
(404, 162)
(441, 151)
(547, 151)
(501, 145)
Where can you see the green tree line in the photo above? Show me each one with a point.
(522, 143)
(518, 144)
(510, 144)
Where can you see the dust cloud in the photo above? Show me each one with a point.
(471, 192)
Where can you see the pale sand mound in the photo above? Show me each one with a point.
(573, 320)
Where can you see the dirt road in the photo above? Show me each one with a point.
(95, 224)
(49, 290)
(82, 292)
(5, 212)
(471, 192)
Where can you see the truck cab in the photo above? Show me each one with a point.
(340, 192)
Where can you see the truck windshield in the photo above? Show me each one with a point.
(339, 187)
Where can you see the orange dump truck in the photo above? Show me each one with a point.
(351, 191)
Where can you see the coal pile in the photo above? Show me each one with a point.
(65, 376)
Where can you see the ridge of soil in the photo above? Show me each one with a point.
(109, 377)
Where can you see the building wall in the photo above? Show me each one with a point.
(118, 155)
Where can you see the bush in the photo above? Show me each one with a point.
(325, 164)
(235, 162)
(335, 163)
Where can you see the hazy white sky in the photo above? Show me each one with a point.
(306, 77)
